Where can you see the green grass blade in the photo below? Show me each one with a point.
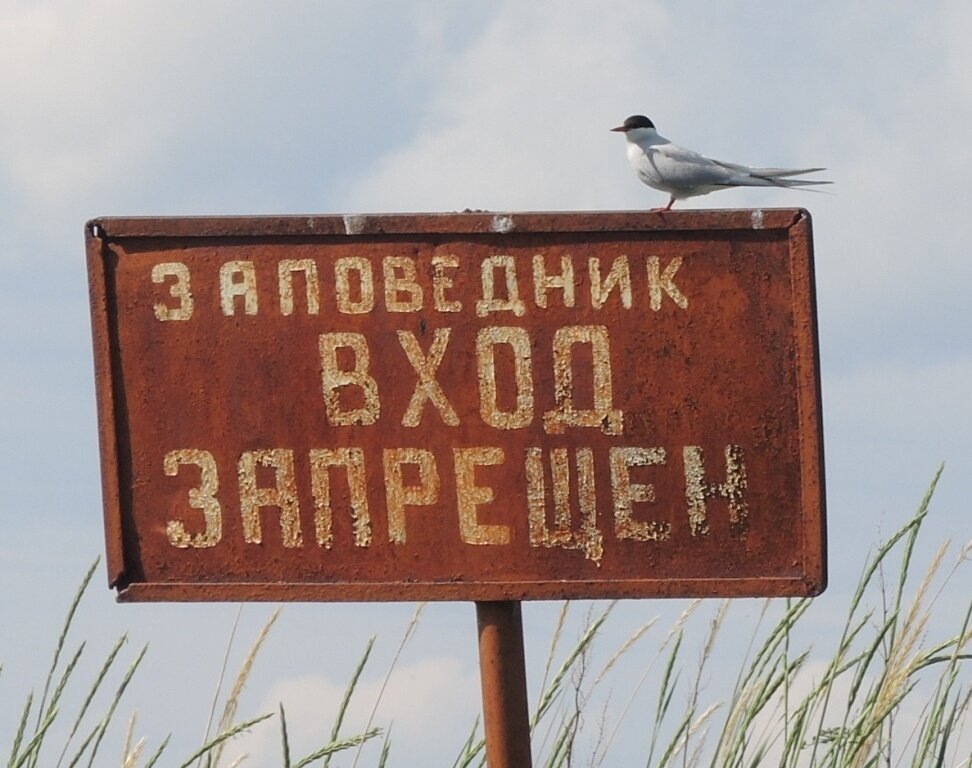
(219, 682)
(348, 692)
(338, 746)
(385, 750)
(69, 619)
(65, 676)
(410, 628)
(284, 741)
(84, 747)
(222, 737)
(106, 721)
(232, 701)
(548, 696)
(33, 746)
(158, 753)
(21, 729)
(471, 749)
(99, 679)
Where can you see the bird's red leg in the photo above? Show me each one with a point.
(671, 202)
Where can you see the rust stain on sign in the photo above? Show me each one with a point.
(466, 406)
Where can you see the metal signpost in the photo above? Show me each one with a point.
(472, 406)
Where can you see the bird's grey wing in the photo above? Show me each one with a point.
(682, 168)
(678, 169)
(767, 173)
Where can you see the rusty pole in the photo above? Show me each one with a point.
(506, 716)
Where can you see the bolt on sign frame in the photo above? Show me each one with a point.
(468, 406)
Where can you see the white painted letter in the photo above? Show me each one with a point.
(285, 278)
(352, 459)
(238, 278)
(283, 495)
(659, 281)
(588, 537)
(203, 497)
(333, 378)
(564, 281)
(178, 290)
(619, 276)
(603, 414)
(697, 490)
(469, 495)
(398, 495)
(441, 282)
(395, 285)
(427, 388)
(519, 340)
(626, 493)
(512, 303)
(342, 287)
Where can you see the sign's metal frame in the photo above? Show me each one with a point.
(789, 225)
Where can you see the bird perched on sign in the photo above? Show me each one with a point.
(683, 173)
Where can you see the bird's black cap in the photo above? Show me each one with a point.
(635, 121)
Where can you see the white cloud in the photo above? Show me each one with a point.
(520, 117)
(429, 697)
(888, 425)
(113, 108)
(88, 94)
(903, 401)
(519, 120)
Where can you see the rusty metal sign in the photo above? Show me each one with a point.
(469, 406)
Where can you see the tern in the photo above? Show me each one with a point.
(683, 173)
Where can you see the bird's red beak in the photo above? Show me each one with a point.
(620, 128)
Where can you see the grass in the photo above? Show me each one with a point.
(881, 694)
(881, 691)
(32, 746)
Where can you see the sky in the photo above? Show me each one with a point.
(245, 107)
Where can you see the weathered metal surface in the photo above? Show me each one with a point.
(472, 406)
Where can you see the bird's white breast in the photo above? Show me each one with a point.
(642, 163)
